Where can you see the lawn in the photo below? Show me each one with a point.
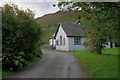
(99, 66)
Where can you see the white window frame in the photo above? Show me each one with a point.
(60, 40)
(64, 41)
(77, 41)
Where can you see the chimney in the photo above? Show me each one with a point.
(79, 22)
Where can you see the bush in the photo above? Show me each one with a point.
(20, 37)
(15, 62)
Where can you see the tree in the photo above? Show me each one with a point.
(20, 37)
(100, 21)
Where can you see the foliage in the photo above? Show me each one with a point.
(100, 21)
(20, 37)
(99, 66)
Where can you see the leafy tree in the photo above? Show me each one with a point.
(100, 21)
(20, 37)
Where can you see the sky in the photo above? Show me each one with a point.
(41, 7)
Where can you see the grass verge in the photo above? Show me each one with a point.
(99, 66)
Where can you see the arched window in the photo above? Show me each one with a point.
(64, 41)
(60, 40)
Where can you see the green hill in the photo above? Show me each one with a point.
(50, 22)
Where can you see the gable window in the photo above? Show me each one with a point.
(60, 40)
(77, 40)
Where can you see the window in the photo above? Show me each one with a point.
(60, 40)
(77, 40)
(64, 41)
(57, 42)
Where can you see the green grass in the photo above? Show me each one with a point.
(99, 66)
(5, 73)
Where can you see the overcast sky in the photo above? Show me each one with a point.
(41, 7)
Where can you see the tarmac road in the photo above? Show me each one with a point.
(54, 64)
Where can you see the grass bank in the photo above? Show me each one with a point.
(99, 66)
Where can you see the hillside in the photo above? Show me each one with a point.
(50, 22)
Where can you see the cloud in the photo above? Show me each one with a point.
(40, 8)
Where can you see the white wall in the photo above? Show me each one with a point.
(73, 47)
(50, 42)
(63, 34)
(53, 43)
(108, 45)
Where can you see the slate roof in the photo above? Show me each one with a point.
(72, 30)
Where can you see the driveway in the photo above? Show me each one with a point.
(54, 64)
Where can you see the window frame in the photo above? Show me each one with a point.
(64, 41)
(60, 40)
(77, 41)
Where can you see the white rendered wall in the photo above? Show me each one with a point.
(50, 42)
(108, 46)
(53, 42)
(73, 47)
(63, 34)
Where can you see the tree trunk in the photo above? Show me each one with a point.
(99, 47)
(111, 44)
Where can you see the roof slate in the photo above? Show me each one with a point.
(73, 30)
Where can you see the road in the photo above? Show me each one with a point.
(54, 64)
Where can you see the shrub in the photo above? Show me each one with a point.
(20, 37)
